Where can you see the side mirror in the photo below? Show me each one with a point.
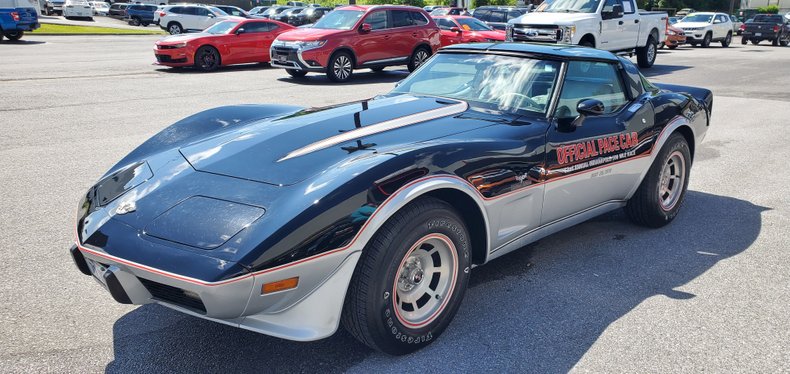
(211, 15)
(617, 12)
(717, 21)
(456, 30)
(588, 108)
(366, 28)
(240, 31)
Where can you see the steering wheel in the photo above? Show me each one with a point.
(524, 98)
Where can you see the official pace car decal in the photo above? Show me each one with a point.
(579, 156)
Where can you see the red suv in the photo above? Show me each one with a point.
(354, 37)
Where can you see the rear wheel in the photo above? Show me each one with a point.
(727, 40)
(418, 58)
(174, 28)
(296, 73)
(646, 56)
(340, 67)
(13, 35)
(706, 40)
(410, 279)
(207, 58)
(659, 197)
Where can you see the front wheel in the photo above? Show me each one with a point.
(410, 279)
(744, 41)
(706, 40)
(726, 42)
(207, 58)
(340, 67)
(646, 56)
(13, 35)
(418, 58)
(658, 199)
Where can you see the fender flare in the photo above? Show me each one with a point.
(671, 127)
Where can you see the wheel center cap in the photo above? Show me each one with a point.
(416, 276)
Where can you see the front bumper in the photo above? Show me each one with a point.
(173, 57)
(675, 40)
(313, 60)
(311, 311)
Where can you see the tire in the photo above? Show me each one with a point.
(775, 42)
(1, 35)
(377, 69)
(672, 46)
(744, 41)
(650, 206)
(13, 35)
(646, 56)
(418, 57)
(174, 28)
(391, 278)
(587, 43)
(784, 43)
(662, 45)
(727, 40)
(145, 24)
(756, 41)
(207, 58)
(693, 44)
(134, 21)
(296, 73)
(340, 67)
(706, 40)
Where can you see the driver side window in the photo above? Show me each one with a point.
(590, 80)
(608, 6)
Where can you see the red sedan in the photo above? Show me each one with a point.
(235, 41)
(462, 29)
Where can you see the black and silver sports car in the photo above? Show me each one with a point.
(290, 221)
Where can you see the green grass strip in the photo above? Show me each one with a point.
(53, 29)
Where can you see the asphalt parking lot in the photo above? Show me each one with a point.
(710, 292)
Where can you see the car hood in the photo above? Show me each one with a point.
(180, 38)
(308, 34)
(546, 18)
(287, 150)
(691, 24)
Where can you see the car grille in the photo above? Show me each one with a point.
(174, 295)
(159, 46)
(536, 33)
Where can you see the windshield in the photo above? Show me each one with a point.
(706, 18)
(511, 84)
(440, 12)
(472, 24)
(573, 6)
(221, 28)
(339, 20)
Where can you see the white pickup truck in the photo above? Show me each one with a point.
(612, 25)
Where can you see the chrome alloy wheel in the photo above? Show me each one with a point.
(673, 177)
(342, 67)
(425, 280)
(651, 52)
(420, 57)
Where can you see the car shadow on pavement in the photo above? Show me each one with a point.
(539, 309)
(21, 41)
(221, 69)
(359, 77)
(662, 69)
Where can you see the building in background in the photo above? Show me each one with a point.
(784, 5)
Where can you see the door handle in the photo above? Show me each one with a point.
(636, 21)
(386, 36)
(414, 34)
(620, 23)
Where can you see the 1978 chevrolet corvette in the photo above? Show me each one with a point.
(290, 221)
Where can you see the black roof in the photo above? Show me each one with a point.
(567, 52)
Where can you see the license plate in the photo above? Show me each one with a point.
(282, 58)
(758, 34)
